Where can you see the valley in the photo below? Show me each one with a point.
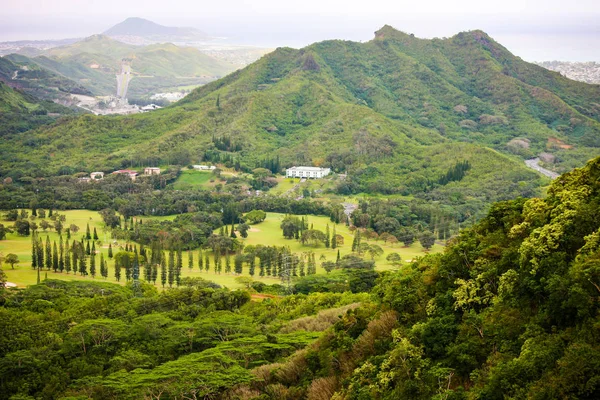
(182, 217)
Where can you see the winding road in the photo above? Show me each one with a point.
(534, 163)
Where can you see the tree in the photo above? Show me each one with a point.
(200, 260)
(328, 266)
(48, 253)
(11, 259)
(255, 217)
(22, 227)
(245, 281)
(356, 241)
(58, 226)
(110, 251)
(88, 235)
(54, 257)
(375, 251)
(118, 270)
(327, 237)
(394, 258)
(163, 269)
(93, 265)
(407, 236)
(44, 225)
(190, 260)
(427, 239)
(243, 229)
(334, 241)
(73, 228)
(95, 236)
(171, 273)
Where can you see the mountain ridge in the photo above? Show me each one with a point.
(393, 113)
(135, 26)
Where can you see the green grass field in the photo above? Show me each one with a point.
(266, 233)
(191, 179)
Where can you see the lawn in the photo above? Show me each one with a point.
(191, 179)
(266, 233)
(269, 233)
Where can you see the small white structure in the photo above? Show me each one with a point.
(97, 175)
(307, 172)
(127, 172)
(150, 107)
(151, 171)
(204, 167)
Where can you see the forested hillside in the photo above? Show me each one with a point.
(510, 309)
(20, 112)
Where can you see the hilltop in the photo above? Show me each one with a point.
(149, 30)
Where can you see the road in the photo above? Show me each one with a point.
(534, 163)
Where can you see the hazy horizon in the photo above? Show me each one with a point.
(533, 30)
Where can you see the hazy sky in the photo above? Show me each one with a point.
(534, 30)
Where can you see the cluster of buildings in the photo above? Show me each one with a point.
(127, 172)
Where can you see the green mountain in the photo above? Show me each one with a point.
(20, 111)
(21, 72)
(397, 114)
(150, 30)
(94, 61)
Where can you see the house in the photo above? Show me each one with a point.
(130, 173)
(307, 172)
(97, 175)
(151, 171)
(204, 167)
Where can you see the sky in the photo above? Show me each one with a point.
(534, 30)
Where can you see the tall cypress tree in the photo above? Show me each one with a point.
(251, 264)
(34, 263)
(103, 269)
(55, 257)
(67, 257)
(154, 273)
(93, 265)
(217, 260)
(110, 252)
(61, 255)
(206, 262)
(190, 260)
(179, 266)
(200, 260)
(327, 237)
(136, 266)
(95, 234)
(334, 239)
(171, 268)
(88, 251)
(127, 266)
(227, 262)
(117, 271)
(82, 265)
(163, 269)
(75, 255)
(48, 253)
(88, 235)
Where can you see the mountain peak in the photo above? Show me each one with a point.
(388, 31)
(135, 26)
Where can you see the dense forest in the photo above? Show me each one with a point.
(510, 309)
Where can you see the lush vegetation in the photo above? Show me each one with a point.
(510, 309)
(399, 115)
(20, 111)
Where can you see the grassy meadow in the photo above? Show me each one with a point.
(265, 233)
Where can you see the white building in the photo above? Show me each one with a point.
(97, 175)
(151, 171)
(307, 172)
(204, 167)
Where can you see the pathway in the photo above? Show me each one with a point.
(534, 163)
